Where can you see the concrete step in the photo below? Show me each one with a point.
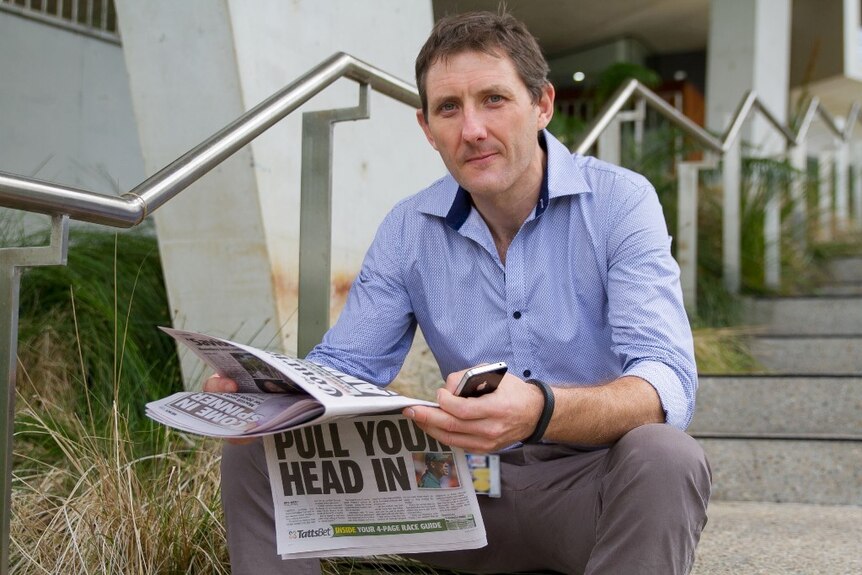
(779, 406)
(818, 315)
(780, 539)
(808, 354)
(839, 289)
(845, 269)
(782, 438)
(786, 470)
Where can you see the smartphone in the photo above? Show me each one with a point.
(481, 380)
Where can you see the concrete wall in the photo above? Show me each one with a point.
(376, 161)
(65, 109)
(230, 242)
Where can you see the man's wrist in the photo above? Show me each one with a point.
(546, 414)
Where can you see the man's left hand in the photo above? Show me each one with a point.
(481, 424)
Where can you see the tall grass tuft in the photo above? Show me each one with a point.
(97, 487)
(95, 321)
(103, 507)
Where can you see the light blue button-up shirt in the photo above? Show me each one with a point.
(589, 291)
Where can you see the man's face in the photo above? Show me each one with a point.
(440, 468)
(483, 122)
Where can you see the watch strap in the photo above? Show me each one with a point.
(547, 411)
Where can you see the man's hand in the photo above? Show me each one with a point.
(218, 384)
(481, 424)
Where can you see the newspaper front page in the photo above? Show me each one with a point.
(276, 392)
(367, 486)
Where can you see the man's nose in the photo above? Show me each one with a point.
(473, 127)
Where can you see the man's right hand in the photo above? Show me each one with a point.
(218, 384)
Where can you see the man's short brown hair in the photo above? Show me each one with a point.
(488, 33)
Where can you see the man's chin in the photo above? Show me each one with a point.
(485, 185)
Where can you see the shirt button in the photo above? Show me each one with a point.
(527, 373)
(516, 315)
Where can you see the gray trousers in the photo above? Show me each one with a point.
(636, 507)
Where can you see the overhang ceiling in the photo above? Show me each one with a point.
(567, 26)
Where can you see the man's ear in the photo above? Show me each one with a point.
(423, 123)
(546, 106)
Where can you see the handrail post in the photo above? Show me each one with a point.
(856, 166)
(824, 196)
(686, 232)
(798, 157)
(639, 122)
(12, 263)
(610, 142)
(315, 220)
(842, 193)
(771, 232)
(731, 170)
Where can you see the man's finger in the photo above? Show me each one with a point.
(219, 384)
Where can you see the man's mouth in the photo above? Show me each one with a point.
(480, 157)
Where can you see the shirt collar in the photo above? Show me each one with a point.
(562, 177)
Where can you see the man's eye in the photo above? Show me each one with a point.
(495, 99)
(447, 107)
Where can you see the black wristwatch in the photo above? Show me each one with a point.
(547, 411)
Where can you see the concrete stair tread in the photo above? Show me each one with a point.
(792, 433)
(845, 269)
(825, 472)
(839, 289)
(818, 406)
(808, 354)
(754, 538)
(805, 315)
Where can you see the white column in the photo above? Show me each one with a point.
(230, 242)
(749, 49)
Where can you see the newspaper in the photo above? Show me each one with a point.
(276, 392)
(370, 485)
(345, 480)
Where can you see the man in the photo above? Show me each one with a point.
(559, 266)
(436, 467)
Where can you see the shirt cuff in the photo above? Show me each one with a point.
(674, 402)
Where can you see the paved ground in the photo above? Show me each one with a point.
(780, 539)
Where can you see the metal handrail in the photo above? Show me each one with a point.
(134, 206)
(130, 209)
(728, 148)
(749, 103)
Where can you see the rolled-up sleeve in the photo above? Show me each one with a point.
(649, 324)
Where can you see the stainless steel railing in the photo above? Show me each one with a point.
(604, 131)
(131, 208)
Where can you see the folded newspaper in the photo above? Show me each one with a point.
(344, 481)
(369, 486)
(276, 392)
